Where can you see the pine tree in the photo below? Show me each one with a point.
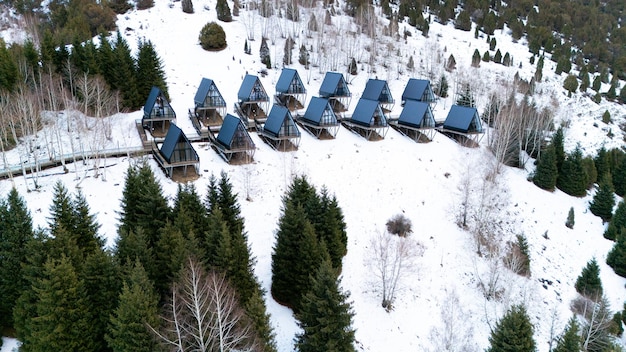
(604, 200)
(572, 178)
(61, 323)
(410, 64)
(170, 255)
(570, 218)
(602, 162)
(450, 64)
(506, 61)
(85, 226)
(189, 213)
(326, 316)
(463, 21)
(597, 83)
(559, 150)
(513, 332)
(497, 58)
(303, 57)
(8, 69)
(584, 78)
(352, 68)
(25, 309)
(588, 282)
(106, 61)
(223, 11)
(492, 43)
(619, 177)
(539, 70)
(476, 59)
(295, 256)
(289, 43)
(618, 222)
(546, 172)
(569, 341)
(264, 53)
(138, 308)
(150, 71)
(61, 210)
(101, 277)
(486, 57)
(126, 74)
(443, 87)
(16, 230)
(570, 84)
(143, 204)
(466, 97)
(616, 258)
(331, 228)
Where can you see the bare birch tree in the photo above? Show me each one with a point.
(391, 259)
(203, 314)
(453, 335)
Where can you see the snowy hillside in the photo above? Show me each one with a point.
(373, 181)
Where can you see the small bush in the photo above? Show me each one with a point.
(517, 258)
(570, 218)
(145, 4)
(606, 117)
(399, 225)
(187, 6)
(212, 37)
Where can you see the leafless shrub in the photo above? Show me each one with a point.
(453, 335)
(399, 225)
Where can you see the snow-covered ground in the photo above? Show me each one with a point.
(373, 181)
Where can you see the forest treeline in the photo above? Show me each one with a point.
(178, 277)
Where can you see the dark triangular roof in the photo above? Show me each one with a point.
(377, 89)
(155, 92)
(229, 129)
(288, 75)
(203, 91)
(174, 135)
(414, 112)
(334, 85)
(463, 119)
(276, 118)
(248, 86)
(418, 89)
(365, 110)
(315, 110)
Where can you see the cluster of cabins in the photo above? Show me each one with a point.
(277, 123)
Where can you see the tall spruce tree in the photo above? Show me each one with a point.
(569, 341)
(572, 177)
(616, 258)
(602, 162)
(189, 213)
(101, 277)
(264, 53)
(62, 322)
(296, 255)
(546, 172)
(588, 282)
(137, 308)
(617, 223)
(25, 309)
(170, 255)
(143, 204)
(604, 200)
(150, 70)
(619, 177)
(86, 226)
(16, 230)
(326, 315)
(125, 74)
(559, 149)
(513, 332)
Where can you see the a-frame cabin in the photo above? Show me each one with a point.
(368, 119)
(280, 130)
(419, 90)
(233, 143)
(320, 119)
(252, 100)
(157, 113)
(377, 89)
(416, 121)
(463, 125)
(209, 107)
(335, 88)
(176, 153)
(290, 91)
